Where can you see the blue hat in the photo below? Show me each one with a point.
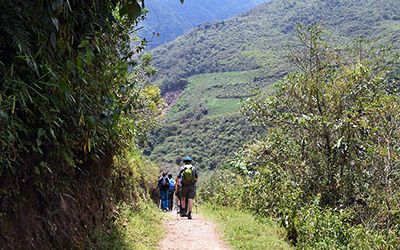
(187, 158)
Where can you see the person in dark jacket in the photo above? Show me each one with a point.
(163, 187)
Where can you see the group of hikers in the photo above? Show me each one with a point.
(182, 189)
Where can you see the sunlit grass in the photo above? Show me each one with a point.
(205, 90)
(242, 231)
(141, 228)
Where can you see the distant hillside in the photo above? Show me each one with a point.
(217, 64)
(170, 18)
(260, 37)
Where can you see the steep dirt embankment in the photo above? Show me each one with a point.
(54, 209)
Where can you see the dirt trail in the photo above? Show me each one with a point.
(191, 234)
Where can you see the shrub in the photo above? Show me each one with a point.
(68, 105)
(328, 166)
(222, 187)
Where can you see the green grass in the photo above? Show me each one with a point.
(144, 230)
(221, 106)
(242, 231)
(218, 93)
(141, 228)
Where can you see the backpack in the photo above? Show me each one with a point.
(188, 176)
(163, 183)
(171, 185)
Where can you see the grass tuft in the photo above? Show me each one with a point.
(242, 231)
(141, 228)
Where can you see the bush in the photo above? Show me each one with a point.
(222, 187)
(68, 106)
(328, 166)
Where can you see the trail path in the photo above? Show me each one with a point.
(195, 234)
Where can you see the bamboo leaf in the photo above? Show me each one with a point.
(13, 105)
(84, 43)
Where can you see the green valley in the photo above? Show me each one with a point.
(213, 68)
(260, 38)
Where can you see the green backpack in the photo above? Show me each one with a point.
(188, 176)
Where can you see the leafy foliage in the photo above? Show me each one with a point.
(73, 94)
(337, 120)
(64, 78)
(328, 167)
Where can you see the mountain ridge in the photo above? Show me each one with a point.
(284, 30)
(169, 18)
(218, 64)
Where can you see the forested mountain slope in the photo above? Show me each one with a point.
(217, 64)
(170, 18)
(259, 38)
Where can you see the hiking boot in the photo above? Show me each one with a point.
(183, 212)
(189, 215)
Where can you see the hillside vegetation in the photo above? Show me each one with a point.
(260, 37)
(71, 117)
(211, 69)
(168, 19)
(208, 140)
(328, 166)
(244, 231)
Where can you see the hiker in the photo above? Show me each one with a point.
(178, 192)
(171, 192)
(163, 187)
(189, 176)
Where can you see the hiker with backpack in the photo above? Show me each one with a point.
(171, 192)
(163, 187)
(189, 176)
